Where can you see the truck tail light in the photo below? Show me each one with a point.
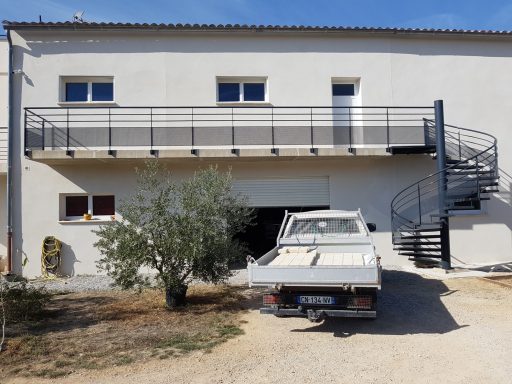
(269, 299)
(360, 302)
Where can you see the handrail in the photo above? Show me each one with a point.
(484, 155)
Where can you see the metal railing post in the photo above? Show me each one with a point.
(273, 150)
(42, 135)
(350, 149)
(151, 137)
(426, 132)
(67, 131)
(477, 178)
(419, 203)
(192, 151)
(25, 133)
(312, 149)
(387, 129)
(109, 132)
(460, 147)
(233, 150)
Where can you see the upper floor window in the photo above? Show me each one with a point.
(343, 89)
(237, 90)
(87, 89)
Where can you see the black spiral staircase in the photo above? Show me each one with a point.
(467, 175)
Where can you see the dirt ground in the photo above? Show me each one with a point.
(428, 331)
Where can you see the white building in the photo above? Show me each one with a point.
(304, 117)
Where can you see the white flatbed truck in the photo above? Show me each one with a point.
(324, 265)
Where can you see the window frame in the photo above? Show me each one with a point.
(241, 82)
(90, 208)
(89, 80)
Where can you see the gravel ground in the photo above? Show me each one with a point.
(80, 283)
(429, 330)
(88, 283)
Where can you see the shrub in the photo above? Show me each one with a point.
(22, 302)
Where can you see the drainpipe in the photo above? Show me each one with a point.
(10, 135)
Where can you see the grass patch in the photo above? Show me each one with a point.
(101, 329)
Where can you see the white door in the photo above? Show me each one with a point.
(285, 192)
(347, 122)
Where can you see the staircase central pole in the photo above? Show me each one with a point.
(441, 184)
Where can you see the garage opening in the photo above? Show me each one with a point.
(261, 237)
(271, 197)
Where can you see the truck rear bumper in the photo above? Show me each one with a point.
(295, 312)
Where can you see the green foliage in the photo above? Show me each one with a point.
(21, 301)
(183, 231)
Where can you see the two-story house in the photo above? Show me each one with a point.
(305, 118)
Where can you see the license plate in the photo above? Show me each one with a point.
(325, 300)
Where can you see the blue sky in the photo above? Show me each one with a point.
(466, 14)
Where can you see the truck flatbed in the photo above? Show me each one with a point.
(327, 256)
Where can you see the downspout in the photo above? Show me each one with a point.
(9, 156)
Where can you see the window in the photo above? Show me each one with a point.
(76, 205)
(229, 92)
(86, 90)
(103, 205)
(343, 90)
(100, 206)
(102, 91)
(76, 92)
(236, 90)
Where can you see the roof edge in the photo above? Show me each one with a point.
(82, 26)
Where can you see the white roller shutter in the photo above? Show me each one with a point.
(284, 192)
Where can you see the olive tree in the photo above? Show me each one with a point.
(183, 231)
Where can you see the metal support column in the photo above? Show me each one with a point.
(441, 184)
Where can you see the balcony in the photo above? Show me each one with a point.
(224, 131)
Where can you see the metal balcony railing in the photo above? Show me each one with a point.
(234, 127)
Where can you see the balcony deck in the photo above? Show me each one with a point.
(87, 133)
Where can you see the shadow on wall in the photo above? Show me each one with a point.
(67, 260)
(408, 304)
(115, 43)
(499, 209)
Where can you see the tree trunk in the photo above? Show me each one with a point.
(176, 296)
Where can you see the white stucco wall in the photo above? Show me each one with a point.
(471, 76)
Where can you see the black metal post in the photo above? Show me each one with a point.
(350, 149)
(312, 149)
(109, 133)
(151, 150)
(233, 150)
(42, 135)
(419, 203)
(192, 151)
(68, 152)
(387, 130)
(477, 179)
(273, 150)
(25, 134)
(441, 184)
(426, 132)
(445, 244)
(460, 146)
